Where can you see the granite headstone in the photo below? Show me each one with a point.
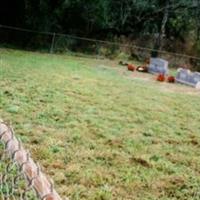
(187, 77)
(158, 66)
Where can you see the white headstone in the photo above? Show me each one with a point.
(195, 78)
(182, 75)
(158, 66)
(187, 77)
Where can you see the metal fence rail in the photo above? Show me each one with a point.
(20, 177)
(53, 35)
(28, 39)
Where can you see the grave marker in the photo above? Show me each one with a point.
(158, 66)
(187, 77)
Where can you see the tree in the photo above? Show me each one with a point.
(108, 19)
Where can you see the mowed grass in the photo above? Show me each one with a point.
(100, 135)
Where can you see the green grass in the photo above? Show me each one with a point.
(98, 134)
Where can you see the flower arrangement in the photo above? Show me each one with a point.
(131, 67)
(171, 79)
(142, 69)
(161, 77)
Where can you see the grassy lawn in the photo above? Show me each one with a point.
(98, 134)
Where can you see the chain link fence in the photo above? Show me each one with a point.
(12, 180)
(20, 177)
(62, 43)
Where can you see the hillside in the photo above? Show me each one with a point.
(99, 132)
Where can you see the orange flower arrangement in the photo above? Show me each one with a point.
(131, 67)
(161, 77)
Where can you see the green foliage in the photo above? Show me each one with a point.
(105, 19)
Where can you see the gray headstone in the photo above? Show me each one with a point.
(158, 66)
(187, 77)
(195, 78)
(183, 75)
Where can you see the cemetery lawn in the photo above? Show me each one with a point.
(101, 135)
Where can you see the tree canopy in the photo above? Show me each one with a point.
(159, 19)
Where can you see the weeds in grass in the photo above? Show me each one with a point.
(99, 134)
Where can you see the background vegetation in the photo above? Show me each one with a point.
(172, 25)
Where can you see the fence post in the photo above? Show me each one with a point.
(52, 43)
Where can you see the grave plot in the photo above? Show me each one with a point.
(187, 77)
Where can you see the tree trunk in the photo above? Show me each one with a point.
(159, 40)
(198, 20)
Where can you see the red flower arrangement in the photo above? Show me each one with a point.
(131, 67)
(171, 79)
(161, 77)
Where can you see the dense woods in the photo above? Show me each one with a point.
(172, 25)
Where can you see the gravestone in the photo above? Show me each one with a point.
(158, 66)
(195, 78)
(182, 75)
(187, 77)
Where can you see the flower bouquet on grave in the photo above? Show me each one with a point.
(171, 79)
(161, 77)
(131, 67)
